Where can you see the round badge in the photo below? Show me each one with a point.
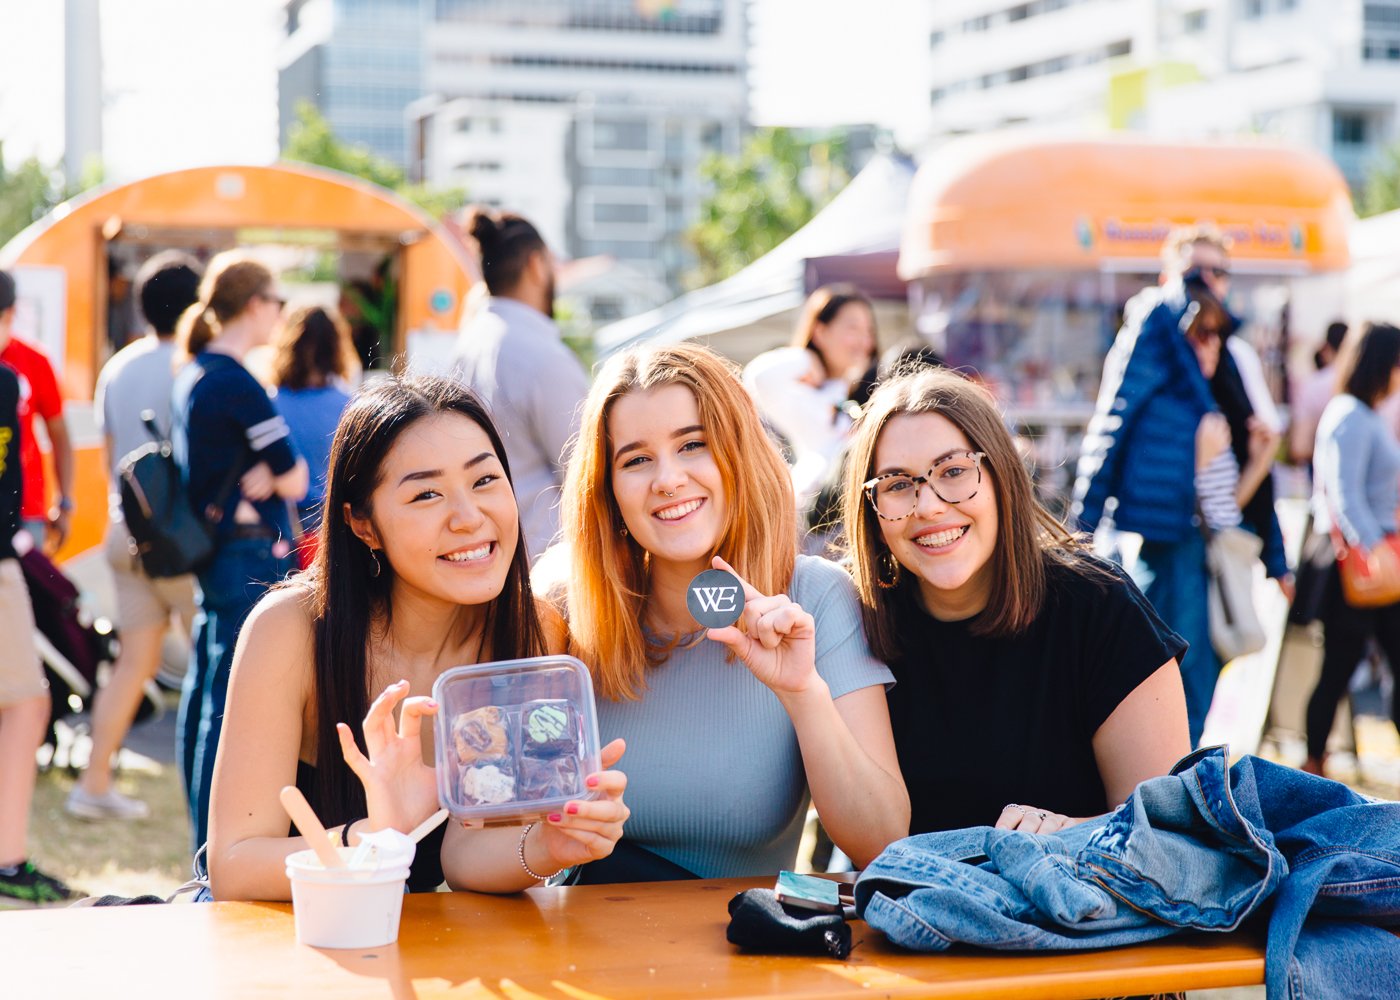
(715, 598)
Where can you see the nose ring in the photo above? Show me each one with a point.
(668, 493)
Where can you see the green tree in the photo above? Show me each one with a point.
(32, 189)
(1382, 191)
(312, 140)
(761, 197)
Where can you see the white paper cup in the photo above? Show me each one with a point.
(348, 907)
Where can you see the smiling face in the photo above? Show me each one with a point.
(848, 341)
(668, 487)
(443, 513)
(948, 547)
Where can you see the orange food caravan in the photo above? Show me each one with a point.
(1021, 253)
(332, 238)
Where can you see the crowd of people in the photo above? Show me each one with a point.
(365, 540)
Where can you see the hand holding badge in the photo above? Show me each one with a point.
(774, 637)
(715, 598)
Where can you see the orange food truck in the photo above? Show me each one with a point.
(1020, 254)
(319, 229)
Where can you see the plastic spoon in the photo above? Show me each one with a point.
(305, 818)
(427, 826)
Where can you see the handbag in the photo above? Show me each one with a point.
(1370, 582)
(1235, 629)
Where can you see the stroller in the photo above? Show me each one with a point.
(72, 645)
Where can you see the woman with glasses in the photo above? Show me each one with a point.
(728, 729)
(1035, 685)
(240, 469)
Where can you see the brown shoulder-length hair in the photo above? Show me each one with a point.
(312, 346)
(232, 280)
(1026, 532)
(609, 576)
(821, 307)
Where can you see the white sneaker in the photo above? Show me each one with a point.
(110, 805)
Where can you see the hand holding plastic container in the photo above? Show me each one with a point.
(516, 740)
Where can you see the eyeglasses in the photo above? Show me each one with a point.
(953, 479)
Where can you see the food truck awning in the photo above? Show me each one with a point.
(1373, 282)
(861, 225)
(1004, 202)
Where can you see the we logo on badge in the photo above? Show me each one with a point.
(715, 598)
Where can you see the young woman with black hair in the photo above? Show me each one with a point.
(420, 568)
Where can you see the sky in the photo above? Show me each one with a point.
(192, 82)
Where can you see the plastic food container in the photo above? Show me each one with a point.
(515, 739)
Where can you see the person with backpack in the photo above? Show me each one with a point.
(138, 379)
(24, 695)
(239, 468)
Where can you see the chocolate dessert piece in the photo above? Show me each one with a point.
(548, 728)
(481, 733)
(548, 778)
(488, 783)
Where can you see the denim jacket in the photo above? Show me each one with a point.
(1200, 849)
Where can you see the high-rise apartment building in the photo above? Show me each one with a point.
(360, 62)
(590, 116)
(1321, 73)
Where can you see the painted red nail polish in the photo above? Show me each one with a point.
(571, 808)
(592, 781)
(555, 817)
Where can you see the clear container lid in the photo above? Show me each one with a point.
(515, 739)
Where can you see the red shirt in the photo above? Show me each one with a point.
(38, 394)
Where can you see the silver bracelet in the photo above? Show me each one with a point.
(520, 852)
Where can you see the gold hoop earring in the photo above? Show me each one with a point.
(887, 571)
(374, 556)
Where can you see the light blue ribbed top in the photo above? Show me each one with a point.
(1356, 472)
(714, 775)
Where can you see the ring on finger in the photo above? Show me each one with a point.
(1019, 809)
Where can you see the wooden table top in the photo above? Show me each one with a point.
(662, 939)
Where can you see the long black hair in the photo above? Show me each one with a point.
(348, 597)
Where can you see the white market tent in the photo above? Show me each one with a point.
(1373, 281)
(754, 310)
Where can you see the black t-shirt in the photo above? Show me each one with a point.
(10, 481)
(981, 722)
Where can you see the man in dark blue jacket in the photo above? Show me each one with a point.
(1139, 456)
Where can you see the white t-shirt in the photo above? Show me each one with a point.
(809, 416)
(138, 377)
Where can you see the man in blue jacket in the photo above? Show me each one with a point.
(1138, 461)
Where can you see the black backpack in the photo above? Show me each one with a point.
(170, 537)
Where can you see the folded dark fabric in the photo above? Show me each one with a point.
(758, 922)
